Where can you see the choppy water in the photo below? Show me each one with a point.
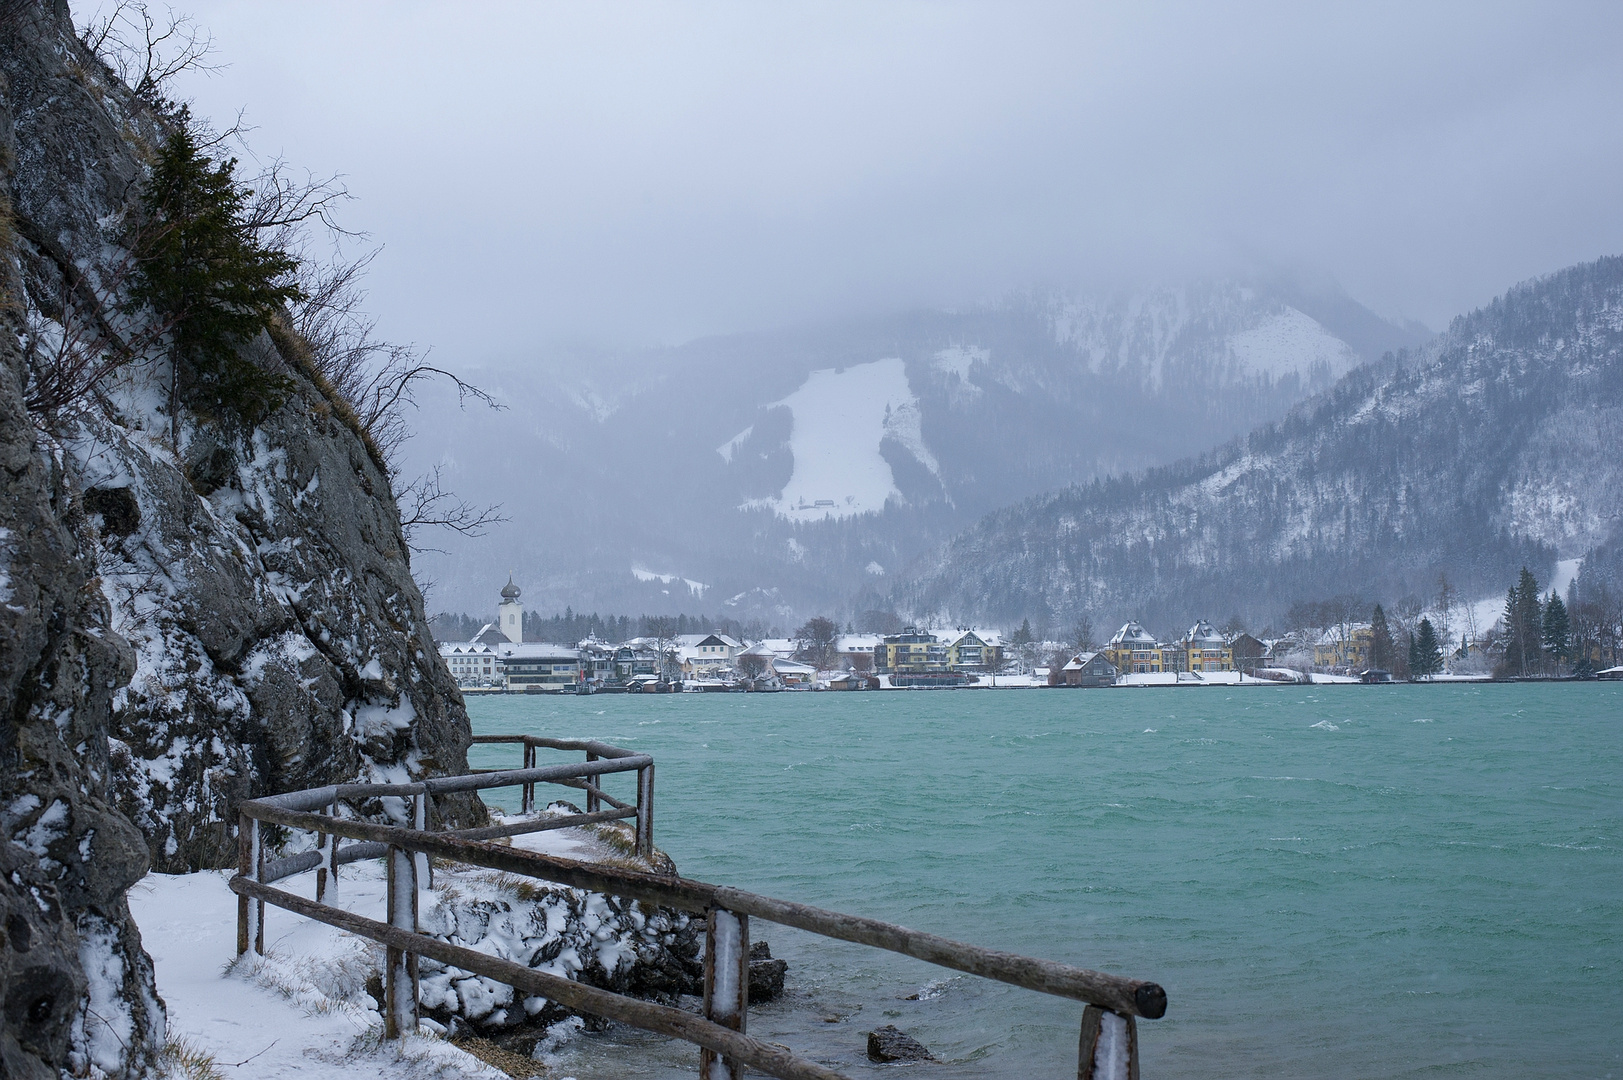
(1333, 881)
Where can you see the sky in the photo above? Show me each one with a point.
(627, 174)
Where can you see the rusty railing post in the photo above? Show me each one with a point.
(527, 803)
(250, 913)
(593, 803)
(1108, 1049)
(726, 985)
(400, 967)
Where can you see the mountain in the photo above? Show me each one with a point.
(777, 475)
(1492, 447)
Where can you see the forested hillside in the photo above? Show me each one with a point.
(1490, 448)
(777, 475)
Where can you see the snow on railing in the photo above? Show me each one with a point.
(1108, 1048)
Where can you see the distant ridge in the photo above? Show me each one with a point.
(778, 475)
(1491, 447)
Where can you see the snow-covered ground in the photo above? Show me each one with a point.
(1487, 612)
(302, 1010)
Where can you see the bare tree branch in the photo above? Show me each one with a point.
(146, 51)
(425, 503)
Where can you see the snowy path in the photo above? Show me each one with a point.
(301, 1011)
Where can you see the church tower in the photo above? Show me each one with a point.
(510, 616)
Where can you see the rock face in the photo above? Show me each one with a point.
(260, 575)
(78, 988)
(183, 623)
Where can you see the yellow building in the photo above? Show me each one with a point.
(911, 651)
(1344, 647)
(970, 650)
(1133, 650)
(1206, 650)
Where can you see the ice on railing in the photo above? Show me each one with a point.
(725, 962)
(1111, 1053)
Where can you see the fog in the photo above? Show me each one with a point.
(626, 174)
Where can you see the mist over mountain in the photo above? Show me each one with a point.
(784, 474)
(1492, 447)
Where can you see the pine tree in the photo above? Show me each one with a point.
(1557, 628)
(1428, 656)
(200, 266)
(1382, 649)
(1022, 636)
(1524, 632)
(1414, 659)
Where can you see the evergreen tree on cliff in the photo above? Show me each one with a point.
(200, 267)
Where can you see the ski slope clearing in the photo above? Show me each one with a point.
(841, 416)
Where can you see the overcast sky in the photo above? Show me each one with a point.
(626, 173)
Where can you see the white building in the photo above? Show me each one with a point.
(539, 666)
(473, 664)
(707, 655)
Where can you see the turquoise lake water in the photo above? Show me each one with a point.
(1335, 881)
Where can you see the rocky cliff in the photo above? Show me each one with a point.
(186, 620)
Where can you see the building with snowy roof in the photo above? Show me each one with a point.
(1087, 669)
(1344, 646)
(1134, 649)
(473, 664)
(539, 666)
(1205, 649)
(970, 649)
(707, 655)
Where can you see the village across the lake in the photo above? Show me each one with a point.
(497, 658)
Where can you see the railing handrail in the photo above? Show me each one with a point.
(768, 1057)
(440, 785)
(1108, 1032)
(1128, 996)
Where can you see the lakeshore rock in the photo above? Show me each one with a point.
(890, 1043)
(766, 974)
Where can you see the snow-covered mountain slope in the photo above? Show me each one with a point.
(839, 421)
(1492, 447)
(780, 468)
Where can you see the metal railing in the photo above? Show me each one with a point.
(1108, 1047)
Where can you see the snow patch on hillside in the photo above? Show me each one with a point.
(642, 573)
(1291, 343)
(952, 365)
(840, 418)
(730, 447)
